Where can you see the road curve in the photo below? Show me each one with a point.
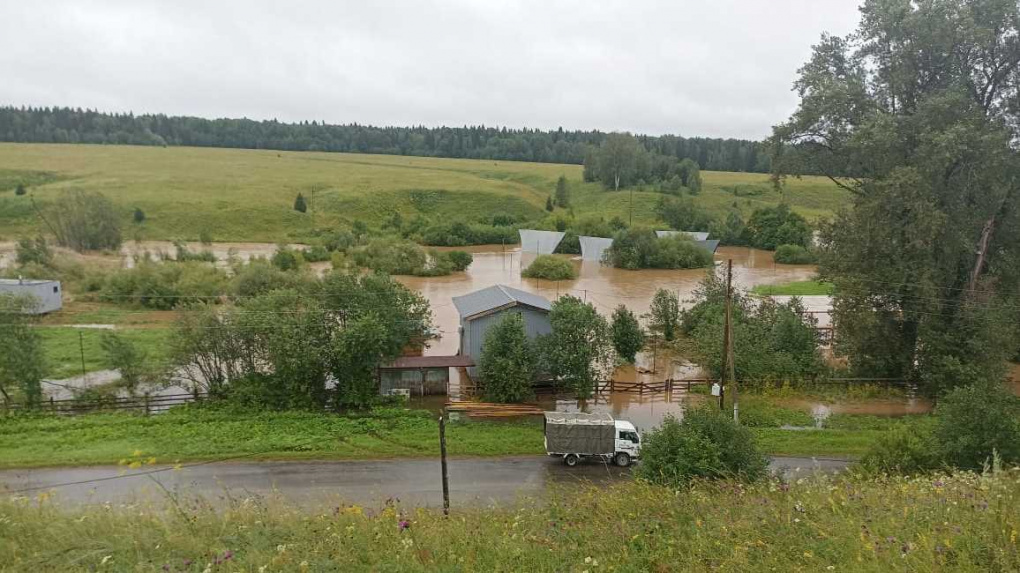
(413, 482)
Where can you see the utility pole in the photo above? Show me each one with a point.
(730, 358)
(442, 454)
(631, 223)
(81, 348)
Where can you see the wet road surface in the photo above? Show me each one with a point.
(311, 484)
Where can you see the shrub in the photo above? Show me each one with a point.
(259, 277)
(85, 221)
(315, 254)
(628, 336)
(641, 249)
(285, 258)
(551, 268)
(300, 205)
(184, 255)
(33, 251)
(794, 255)
(460, 260)
(975, 421)
(463, 234)
(391, 256)
(682, 214)
(705, 444)
(20, 189)
(769, 227)
(139, 215)
(164, 286)
(507, 364)
(906, 450)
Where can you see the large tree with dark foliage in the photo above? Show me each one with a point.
(922, 105)
(70, 125)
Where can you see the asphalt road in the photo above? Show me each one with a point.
(323, 483)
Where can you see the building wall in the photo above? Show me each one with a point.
(436, 381)
(536, 323)
(47, 295)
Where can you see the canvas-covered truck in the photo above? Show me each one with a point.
(576, 435)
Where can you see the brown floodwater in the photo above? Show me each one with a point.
(603, 286)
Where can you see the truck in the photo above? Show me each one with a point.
(578, 435)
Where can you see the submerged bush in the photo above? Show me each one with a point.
(641, 249)
(550, 268)
(794, 255)
(705, 444)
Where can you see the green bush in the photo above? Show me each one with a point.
(641, 249)
(34, 251)
(315, 254)
(391, 256)
(705, 444)
(909, 449)
(164, 286)
(770, 227)
(184, 255)
(461, 234)
(794, 255)
(460, 260)
(550, 268)
(975, 421)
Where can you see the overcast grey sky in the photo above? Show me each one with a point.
(720, 68)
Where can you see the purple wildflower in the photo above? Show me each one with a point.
(404, 524)
(228, 555)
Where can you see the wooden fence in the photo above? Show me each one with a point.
(146, 404)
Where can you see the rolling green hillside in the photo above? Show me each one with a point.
(247, 195)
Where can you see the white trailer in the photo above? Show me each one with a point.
(576, 435)
(43, 296)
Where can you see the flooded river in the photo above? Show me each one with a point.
(603, 286)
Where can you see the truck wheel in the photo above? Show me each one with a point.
(622, 459)
(571, 460)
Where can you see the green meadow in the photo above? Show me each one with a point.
(247, 195)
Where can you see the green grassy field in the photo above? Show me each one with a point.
(64, 348)
(962, 522)
(208, 432)
(247, 195)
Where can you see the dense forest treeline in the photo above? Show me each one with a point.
(75, 125)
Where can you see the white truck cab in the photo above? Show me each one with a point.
(578, 435)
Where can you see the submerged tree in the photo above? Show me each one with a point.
(628, 336)
(916, 116)
(579, 351)
(507, 364)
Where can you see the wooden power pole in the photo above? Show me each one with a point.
(442, 453)
(730, 358)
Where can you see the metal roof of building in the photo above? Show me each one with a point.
(593, 248)
(540, 242)
(6, 282)
(495, 297)
(410, 362)
(710, 245)
(580, 418)
(696, 235)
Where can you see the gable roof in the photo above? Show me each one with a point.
(495, 297)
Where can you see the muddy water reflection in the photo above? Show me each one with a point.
(603, 286)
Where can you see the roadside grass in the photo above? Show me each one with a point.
(248, 195)
(63, 347)
(797, 288)
(958, 522)
(212, 431)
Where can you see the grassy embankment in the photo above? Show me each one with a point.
(188, 434)
(961, 522)
(247, 195)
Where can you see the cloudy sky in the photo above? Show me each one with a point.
(720, 68)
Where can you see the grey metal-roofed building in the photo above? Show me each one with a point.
(594, 248)
(695, 235)
(46, 294)
(481, 309)
(711, 246)
(539, 242)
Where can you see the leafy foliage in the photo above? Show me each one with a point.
(704, 445)
(642, 249)
(976, 421)
(22, 363)
(550, 268)
(794, 255)
(628, 336)
(770, 227)
(84, 221)
(33, 252)
(770, 340)
(664, 314)
(578, 354)
(562, 192)
(927, 257)
(682, 214)
(130, 360)
(138, 216)
(300, 205)
(507, 365)
(906, 450)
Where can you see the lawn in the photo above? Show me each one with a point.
(210, 432)
(797, 288)
(64, 348)
(961, 522)
(247, 195)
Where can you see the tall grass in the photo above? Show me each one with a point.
(962, 522)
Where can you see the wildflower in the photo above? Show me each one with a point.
(808, 554)
(106, 559)
(407, 542)
(796, 520)
(404, 524)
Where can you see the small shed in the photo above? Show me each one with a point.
(46, 295)
(481, 309)
(420, 375)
